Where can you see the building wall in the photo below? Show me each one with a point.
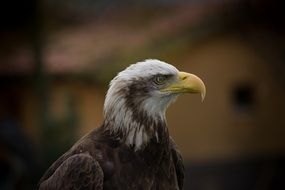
(223, 127)
(218, 128)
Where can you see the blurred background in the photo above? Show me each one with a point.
(57, 57)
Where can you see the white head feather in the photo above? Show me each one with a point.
(117, 111)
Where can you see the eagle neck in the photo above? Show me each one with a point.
(137, 129)
(133, 116)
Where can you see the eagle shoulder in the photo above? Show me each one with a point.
(79, 171)
(178, 163)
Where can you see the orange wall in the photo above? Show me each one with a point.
(203, 131)
(214, 129)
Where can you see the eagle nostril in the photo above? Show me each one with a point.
(185, 77)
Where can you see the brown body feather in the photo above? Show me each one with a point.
(98, 161)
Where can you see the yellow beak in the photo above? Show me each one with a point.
(187, 83)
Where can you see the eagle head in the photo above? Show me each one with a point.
(138, 97)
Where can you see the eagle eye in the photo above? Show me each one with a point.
(159, 79)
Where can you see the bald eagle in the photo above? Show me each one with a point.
(132, 149)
